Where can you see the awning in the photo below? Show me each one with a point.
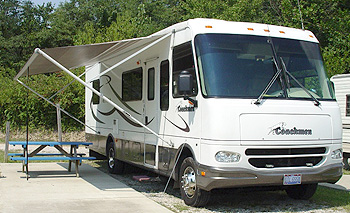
(65, 58)
(77, 56)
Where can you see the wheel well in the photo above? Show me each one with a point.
(186, 152)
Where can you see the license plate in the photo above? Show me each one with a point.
(292, 179)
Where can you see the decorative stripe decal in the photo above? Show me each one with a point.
(131, 122)
(186, 129)
(128, 119)
(107, 113)
(119, 98)
(93, 114)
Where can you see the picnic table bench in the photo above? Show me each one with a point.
(35, 155)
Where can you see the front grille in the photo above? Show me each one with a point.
(262, 158)
(291, 151)
(284, 162)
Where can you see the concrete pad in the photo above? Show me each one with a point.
(52, 188)
(342, 184)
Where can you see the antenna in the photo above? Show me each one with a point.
(301, 17)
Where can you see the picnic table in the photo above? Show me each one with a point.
(35, 155)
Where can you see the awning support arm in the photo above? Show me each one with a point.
(132, 55)
(50, 102)
(26, 66)
(63, 88)
(98, 93)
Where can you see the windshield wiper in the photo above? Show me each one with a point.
(317, 102)
(269, 85)
(277, 74)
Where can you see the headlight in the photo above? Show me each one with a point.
(337, 154)
(227, 157)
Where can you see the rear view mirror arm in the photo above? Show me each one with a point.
(192, 101)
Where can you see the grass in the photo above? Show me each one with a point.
(332, 197)
(346, 172)
(2, 159)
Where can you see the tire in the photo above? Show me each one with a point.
(114, 166)
(190, 193)
(346, 165)
(302, 192)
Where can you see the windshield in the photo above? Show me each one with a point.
(242, 66)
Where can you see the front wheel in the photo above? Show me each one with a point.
(302, 192)
(114, 166)
(190, 193)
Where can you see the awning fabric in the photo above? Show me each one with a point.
(77, 56)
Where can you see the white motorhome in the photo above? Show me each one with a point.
(342, 94)
(212, 104)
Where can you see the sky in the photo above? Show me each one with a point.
(55, 2)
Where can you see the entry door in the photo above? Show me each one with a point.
(151, 114)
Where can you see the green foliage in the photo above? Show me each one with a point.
(25, 26)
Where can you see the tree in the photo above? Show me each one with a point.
(25, 26)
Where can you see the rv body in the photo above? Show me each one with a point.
(237, 134)
(342, 94)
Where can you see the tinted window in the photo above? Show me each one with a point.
(164, 85)
(96, 86)
(347, 107)
(243, 66)
(150, 90)
(183, 60)
(132, 85)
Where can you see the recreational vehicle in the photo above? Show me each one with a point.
(342, 94)
(211, 104)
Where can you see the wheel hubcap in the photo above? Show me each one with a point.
(189, 182)
(111, 158)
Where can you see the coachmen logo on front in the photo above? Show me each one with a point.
(281, 129)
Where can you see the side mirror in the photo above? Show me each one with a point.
(185, 87)
(185, 83)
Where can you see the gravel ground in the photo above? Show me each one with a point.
(223, 200)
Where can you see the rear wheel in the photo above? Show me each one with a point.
(114, 166)
(302, 192)
(190, 193)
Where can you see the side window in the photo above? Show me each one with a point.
(347, 106)
(150, 84)
(164, 85)
(132, 85)
(183, 60)
(96, 86)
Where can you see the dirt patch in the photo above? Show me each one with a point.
(44, 136)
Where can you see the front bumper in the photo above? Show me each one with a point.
(242, 177)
